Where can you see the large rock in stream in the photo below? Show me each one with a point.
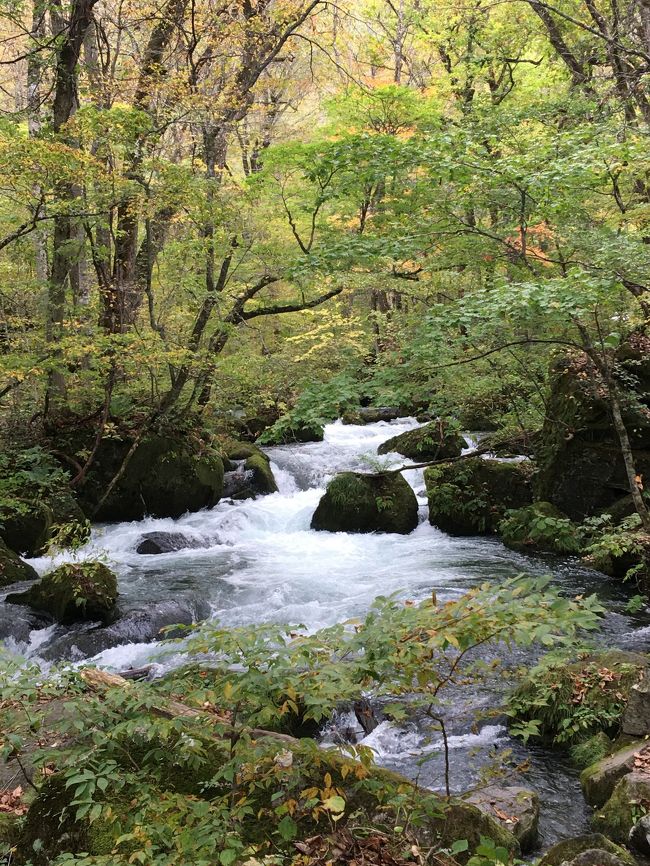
(74, 592)
(516, 808)
(590, 850)
(581, 470)
(470, 496)
(354, 502)
(617, 817)
(165, 477)
(438, 440)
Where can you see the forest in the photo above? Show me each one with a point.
(325, 432)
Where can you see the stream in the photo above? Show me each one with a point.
(257, 560)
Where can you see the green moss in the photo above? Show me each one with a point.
(629, 801)
(585, 752)
(573, 701)
(437, 440)
(354, 502)
(568, 850)
(263, 478)
(72, 592)
(12, 567)
(471, 496)
(540, 527)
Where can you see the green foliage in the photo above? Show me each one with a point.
(541, 527)
(129, 784)
(566, 702)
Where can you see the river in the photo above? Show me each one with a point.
(257, 560)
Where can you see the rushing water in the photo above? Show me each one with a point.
(257, 560)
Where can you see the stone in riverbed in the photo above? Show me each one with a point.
(74, 592)
(516, 808)
(593, 850)
(354, 502)
(437, 440)
(599, 780)
(470, 496)
(166, 542)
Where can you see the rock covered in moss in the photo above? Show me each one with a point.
(616, 818)
(76, 591)
(561, 695)
(581, 469)
(595, 845)
(354, 502)
(437, 440)
(516, 808)
(471, 496)
(12, 568)
(288, 431)
(263, 480)
(25, 526)
(599, 780)
(166, 477)
(540, 528)
(250, 472)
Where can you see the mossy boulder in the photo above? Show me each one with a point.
(263, 478)
(462, 820)
(287, 432)
(572, 701)
(25, 526)
(585, 752)
(540, 528)
(470, 497)
(354, 502)
(630, 798)
(12, 568)
(76, 591)
(515, 808)
(438, 440)
(599, 780)
(166, 477)
(581, 469)
(249, 471)
(568, 850)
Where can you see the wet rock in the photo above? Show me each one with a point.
(373, 414)
(599, 780)
(142, 625)
(368, 715)
(25, 526)
(594, 847)
(354, 502)
(263, 480)
(516, 808)
(12, 568)
(287, 432)
(619, 814)
(470, 497)
(639, 837)
(540, 528)
(166, 542)
(636, 719)
(252, 474)
(73, 592)
(438, 440)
